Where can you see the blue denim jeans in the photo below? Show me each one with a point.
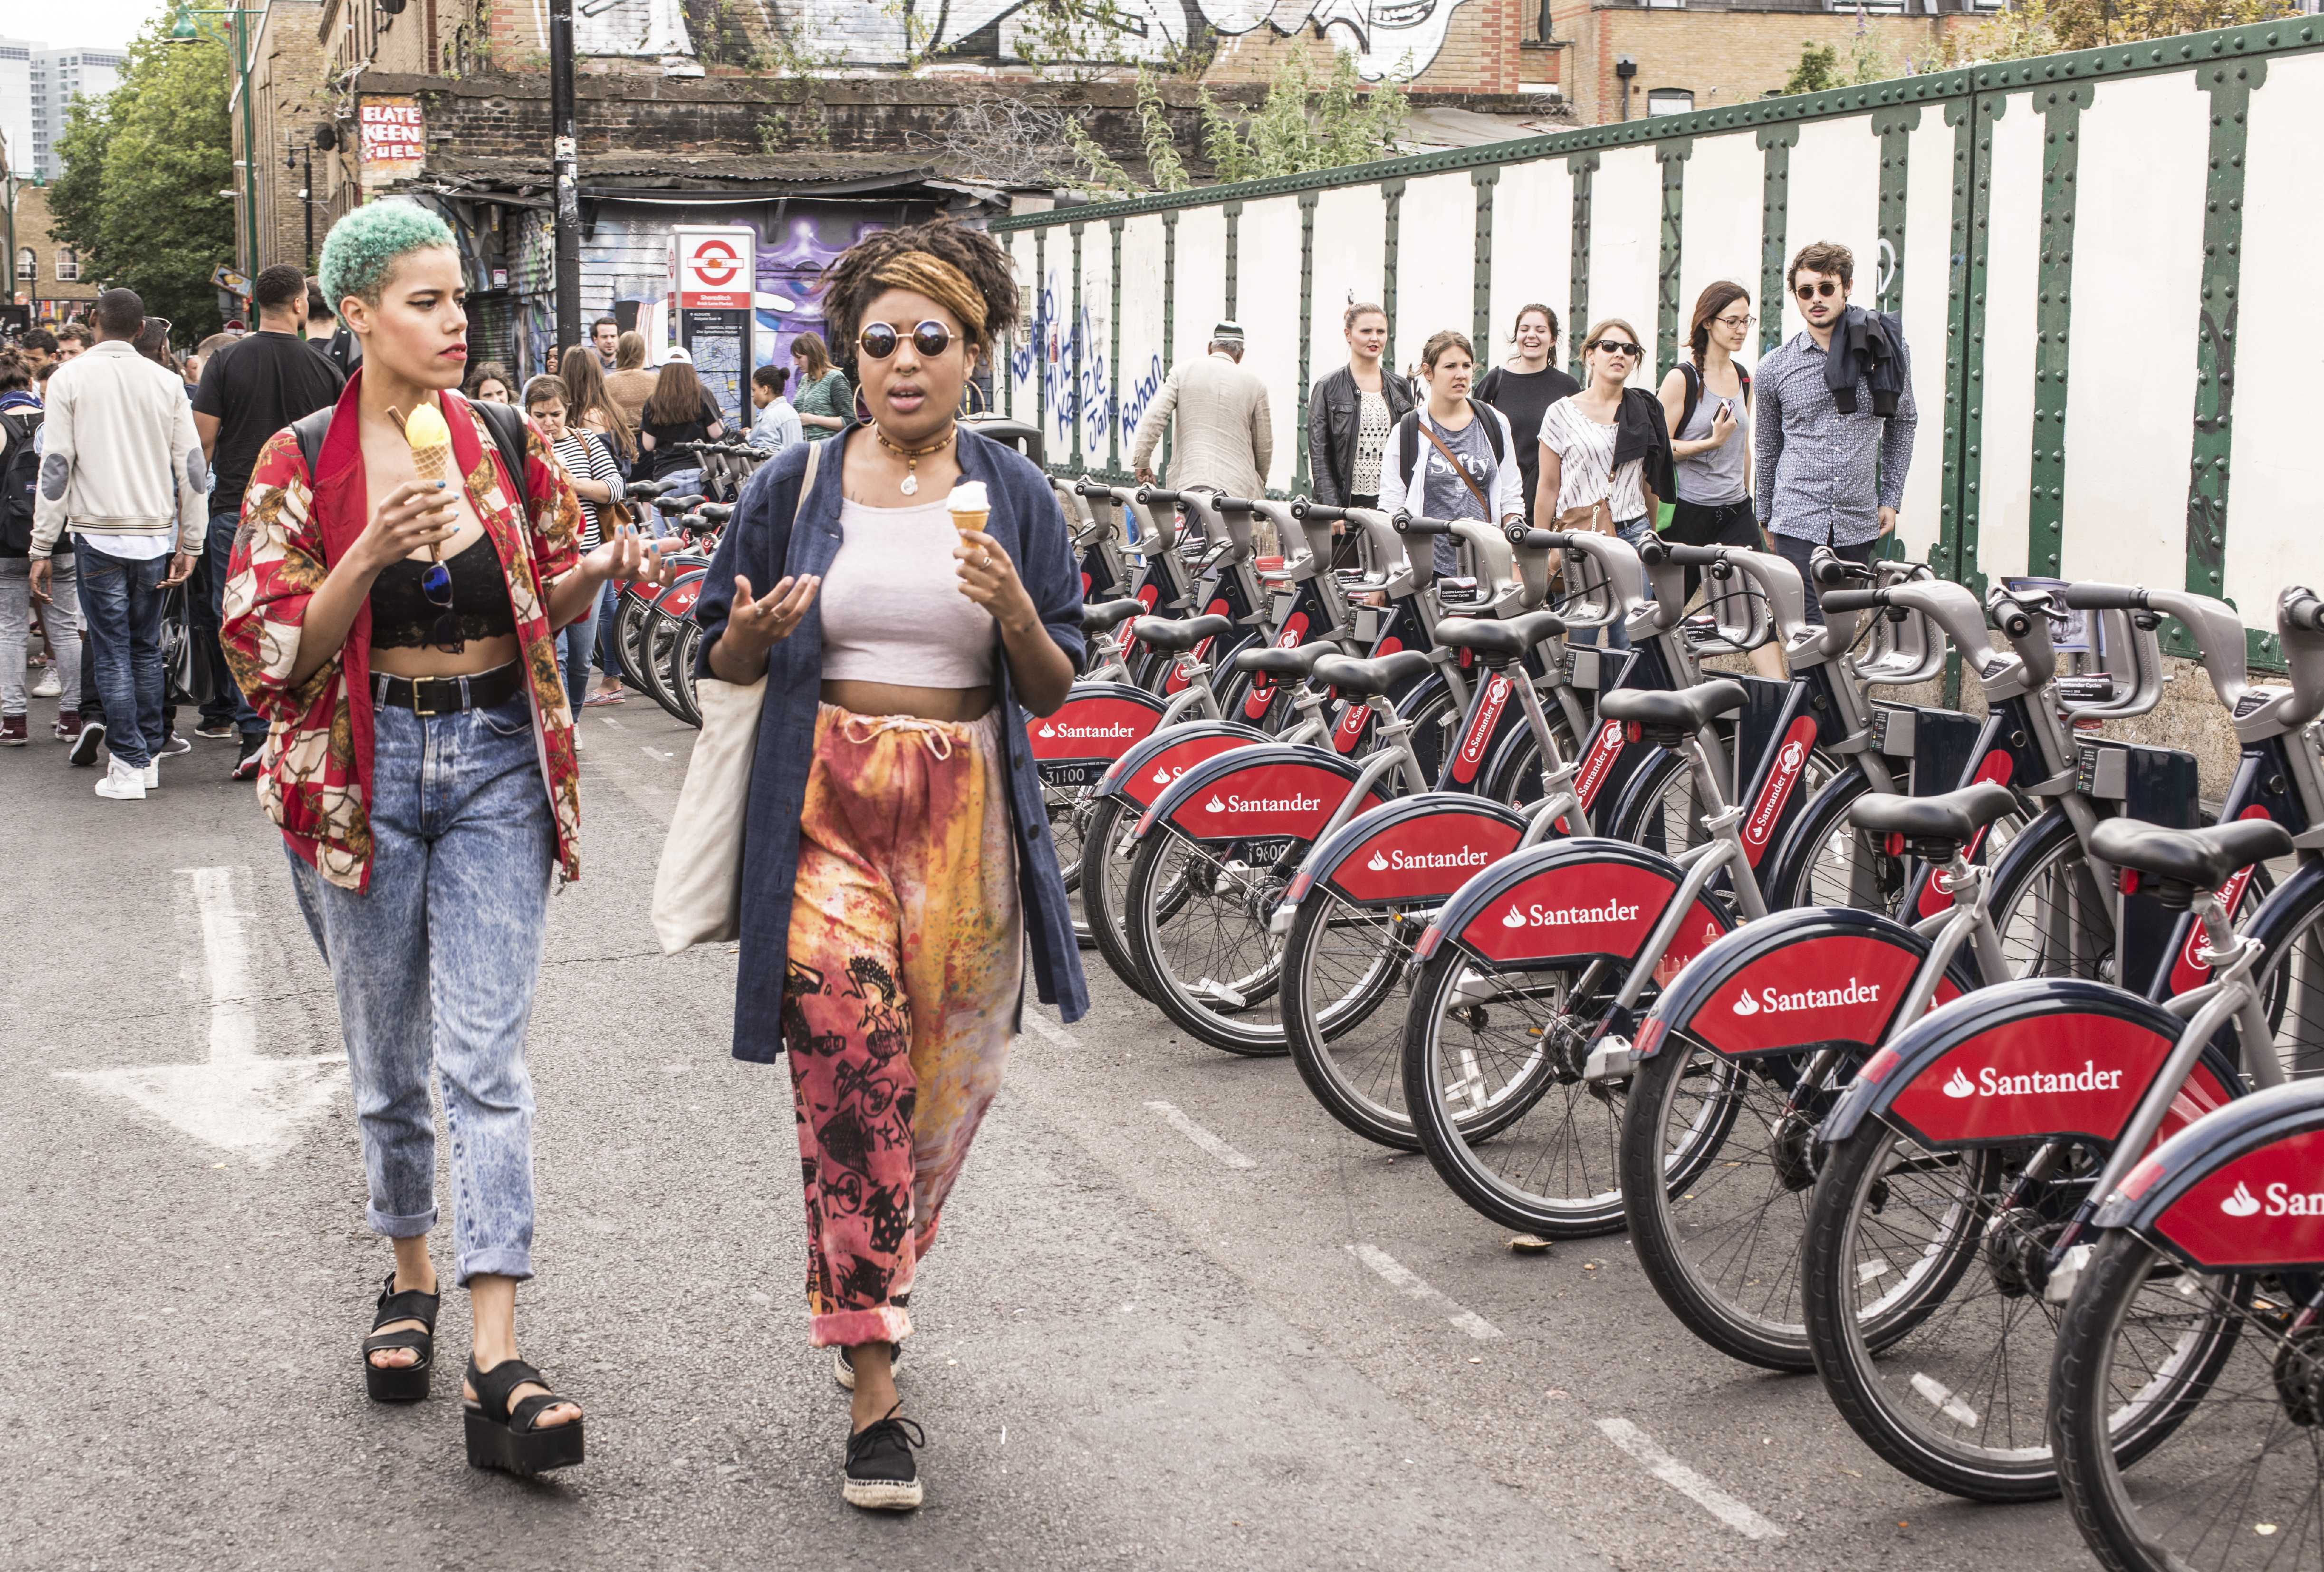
(228, 700)
(575, 641)
(435, 964)
(1638, 531)
(608, 660)
(121, 603)
(682, 483)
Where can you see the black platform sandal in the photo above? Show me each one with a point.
(400, 1382)
(510, 1440)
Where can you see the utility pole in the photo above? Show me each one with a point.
(565, 160)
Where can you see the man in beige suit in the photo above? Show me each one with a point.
(1223, 439)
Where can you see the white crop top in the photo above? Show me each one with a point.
(892, 606)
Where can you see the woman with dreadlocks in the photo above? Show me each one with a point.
(907, 590)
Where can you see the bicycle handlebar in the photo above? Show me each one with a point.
(1304, 508)
(1091, 488)
(2105, 597)
(1533, 539)
(2305, 613)
(1655, 552)
(1853, 600)
(1234, 504)
(1150, 495)
(1405, 523)
(1833, 571)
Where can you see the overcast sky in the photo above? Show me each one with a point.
(93, 23)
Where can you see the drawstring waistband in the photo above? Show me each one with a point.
(937, 734)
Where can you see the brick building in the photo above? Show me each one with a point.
(1709, 54)
(44, 272)
(291, 103)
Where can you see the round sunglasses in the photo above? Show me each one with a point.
(879, 341)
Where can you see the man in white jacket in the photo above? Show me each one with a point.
(122, 461)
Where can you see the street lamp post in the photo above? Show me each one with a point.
(184, 29)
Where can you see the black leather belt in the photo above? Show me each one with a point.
(444, 695)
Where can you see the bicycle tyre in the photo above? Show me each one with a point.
(683, 660)
(2126, 1532)
(1361, 1085)
(1585, 1148)
(1176, 881)
(1105, 886)
(656, 645)
(1826, 860)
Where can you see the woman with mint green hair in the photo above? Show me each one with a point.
(404, 560)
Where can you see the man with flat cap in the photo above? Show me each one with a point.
(1223, 438)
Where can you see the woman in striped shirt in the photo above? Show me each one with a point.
(596, 480)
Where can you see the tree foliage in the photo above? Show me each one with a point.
(2040, 27)
(143, 165)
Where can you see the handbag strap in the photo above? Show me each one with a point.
(1429, 431)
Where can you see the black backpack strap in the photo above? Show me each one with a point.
(506, 422)
(1693, 380)
(1493, 429)
(1407, 445)
(309, 431)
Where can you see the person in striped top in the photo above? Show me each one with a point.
(596, 481)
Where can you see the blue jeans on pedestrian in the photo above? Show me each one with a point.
(575, 641)
(121, 604)
(1638, 531)
(219, 550)
(681, 483)
(608, 660)
(435, 964)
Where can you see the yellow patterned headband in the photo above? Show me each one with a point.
(931, 275)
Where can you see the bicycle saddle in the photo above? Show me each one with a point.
(1500, 640)
(717, 512)
(1162, 632)
(1107, 615)
(1363, 679)
(1953, 817)
(2198, 859)
(1682, 710)
(1299, 660)
(685, 504)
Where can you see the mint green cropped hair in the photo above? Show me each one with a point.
(365, 246)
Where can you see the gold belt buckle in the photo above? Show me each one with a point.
(417, 682)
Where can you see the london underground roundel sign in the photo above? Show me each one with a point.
(714, 271)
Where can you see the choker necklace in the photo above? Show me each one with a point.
(912, 456)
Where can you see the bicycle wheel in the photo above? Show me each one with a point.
(2291, 974)
(1517, 773)
(682, 663)
(1911, 1251)
(1197, 915)
(1068, 808)
(1721, 1244)
(629, 629)
(1492, 1082)
(2200, 1380)
(1348, 973)
(657, 644)
(1107, 853)
(1829, 862)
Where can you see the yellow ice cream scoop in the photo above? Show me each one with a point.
(431, 443)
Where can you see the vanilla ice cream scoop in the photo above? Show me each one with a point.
(969, 498)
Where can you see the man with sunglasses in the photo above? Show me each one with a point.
(1836, 419)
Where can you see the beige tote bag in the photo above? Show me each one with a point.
(697, 895)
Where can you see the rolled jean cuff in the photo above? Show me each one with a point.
(510, 1260)
(395, 1227)
(849, 1329)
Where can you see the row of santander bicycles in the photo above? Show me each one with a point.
(1956, 1059)
(655, 636)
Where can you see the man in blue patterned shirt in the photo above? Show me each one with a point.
(1825, 476)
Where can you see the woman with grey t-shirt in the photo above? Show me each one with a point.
(1418, 472)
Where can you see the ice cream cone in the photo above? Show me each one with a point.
(432, 448)
(970, 506)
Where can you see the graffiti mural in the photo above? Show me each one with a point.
(1042, 375)
(1398, 38)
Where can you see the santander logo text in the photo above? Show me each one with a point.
(1230, 803)
(1539, 915)
(2283, 1201)
(1116, 729)
(1990, 1082)
(1382, 862)
(1776, 1001)
(1789, 762)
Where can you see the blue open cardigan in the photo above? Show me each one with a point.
(763, 543)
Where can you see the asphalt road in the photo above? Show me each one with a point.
(1179, 1317)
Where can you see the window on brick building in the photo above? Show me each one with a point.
(1666, 3)
(67, 266)
(1669, 100)
(27, 267)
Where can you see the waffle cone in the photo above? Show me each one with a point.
(972, 520)
(433, 462)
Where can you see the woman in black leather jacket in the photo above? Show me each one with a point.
(1350, 413)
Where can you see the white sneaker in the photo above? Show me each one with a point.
(47, 687)
(152, 774)
(122, 782)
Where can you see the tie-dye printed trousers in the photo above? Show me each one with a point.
(901, 997)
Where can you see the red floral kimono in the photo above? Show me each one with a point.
(315, 777)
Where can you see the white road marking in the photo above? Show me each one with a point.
(1049, 1029)
(237, 1099)
(1687, 1482)
(1402, 1277)
(1200, 1136)
(654, 752)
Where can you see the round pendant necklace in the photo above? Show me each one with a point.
(912, 456)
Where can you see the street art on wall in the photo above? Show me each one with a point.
(1398, 38)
